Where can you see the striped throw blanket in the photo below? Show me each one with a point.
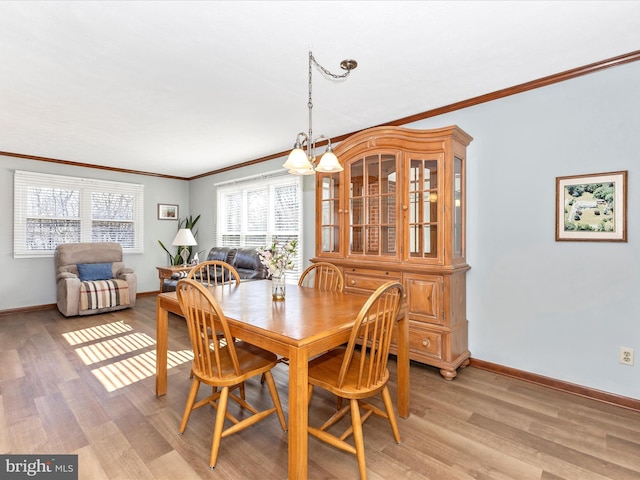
(103, 294)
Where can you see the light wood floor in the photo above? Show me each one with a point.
(86, 386)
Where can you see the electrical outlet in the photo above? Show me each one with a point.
(626, 356)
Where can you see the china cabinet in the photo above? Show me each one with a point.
(397, 212)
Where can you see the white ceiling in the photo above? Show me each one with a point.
(184, 88)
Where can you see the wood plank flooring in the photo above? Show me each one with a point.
(86, 386)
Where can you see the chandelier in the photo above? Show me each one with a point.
(301, 162)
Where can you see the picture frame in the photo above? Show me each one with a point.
(592, 207)
(167, 211)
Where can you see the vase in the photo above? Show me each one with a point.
(278, 287)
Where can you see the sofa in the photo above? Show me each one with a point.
(92, 278)
(245, 260)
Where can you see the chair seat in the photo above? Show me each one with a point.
(324, 372)
(251, 359)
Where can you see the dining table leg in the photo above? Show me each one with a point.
(162, 345)
(298, 413)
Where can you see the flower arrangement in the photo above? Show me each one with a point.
(278, 259)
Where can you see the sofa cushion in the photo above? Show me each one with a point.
(224, 254)
(94, 271)
(247, 263)
(97, 252)
(245, 260)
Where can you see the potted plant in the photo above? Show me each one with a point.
(189, 223)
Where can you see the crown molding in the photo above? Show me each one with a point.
(505, 92)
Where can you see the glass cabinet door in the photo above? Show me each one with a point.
(373, 206)
(423, 221)
(331, 210)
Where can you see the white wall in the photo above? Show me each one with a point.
(558, 309)
(32, 281)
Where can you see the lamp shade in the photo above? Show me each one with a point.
(184, 237)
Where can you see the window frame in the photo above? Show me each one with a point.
(24, 180)
(268, 181)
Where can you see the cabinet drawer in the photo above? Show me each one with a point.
(423, 342)
(359, 283)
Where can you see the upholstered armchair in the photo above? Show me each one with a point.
(92, 278)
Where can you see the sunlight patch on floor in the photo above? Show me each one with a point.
(98, 332)
(114, 346)
(119, 374)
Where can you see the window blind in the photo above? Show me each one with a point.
(257, 211)
(54, 209)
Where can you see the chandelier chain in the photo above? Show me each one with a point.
(327, 72)
(313, 61)
(300, 162)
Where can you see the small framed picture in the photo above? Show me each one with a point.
(167, 212)
(592, 207)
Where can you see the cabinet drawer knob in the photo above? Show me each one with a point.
(353, 282)
(425, 342)
(404, 207)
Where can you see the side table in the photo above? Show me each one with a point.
(165, 273)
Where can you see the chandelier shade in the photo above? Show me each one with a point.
(297, 159)
(329, 162)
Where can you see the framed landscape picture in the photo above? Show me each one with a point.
(592, 207)
(167, 212)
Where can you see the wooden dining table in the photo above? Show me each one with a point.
(308, 322)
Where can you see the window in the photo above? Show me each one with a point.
(253, 212)
(54, 209)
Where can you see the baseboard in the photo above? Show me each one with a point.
(52, 306)
(586, 392)
(33, 308)
(147, 294)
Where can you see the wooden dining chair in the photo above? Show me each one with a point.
(323, 276)
(222, 364)
(212, 273)
(359, 373)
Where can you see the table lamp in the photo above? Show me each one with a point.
(184, 238)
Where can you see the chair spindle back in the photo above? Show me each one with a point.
(211, 339)
(322, 276)
(373, 330)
